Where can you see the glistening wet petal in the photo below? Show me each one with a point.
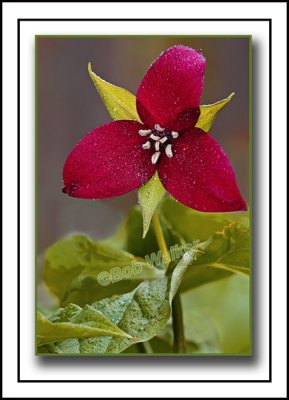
(108, 162)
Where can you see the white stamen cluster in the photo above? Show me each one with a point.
(158, 128)
(147, 145)
(144, 132)
(156, 141)
(168, 151)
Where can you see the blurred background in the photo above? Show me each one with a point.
(69, 107)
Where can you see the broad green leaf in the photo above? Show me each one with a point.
(83, 323)
(120, 103)
(209, 113)
(80, 270)
(92, 285)
(224, 253)
(149, 196)
(141, 313)
(193, 225)
(217, 316)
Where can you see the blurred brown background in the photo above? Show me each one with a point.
(69, 107)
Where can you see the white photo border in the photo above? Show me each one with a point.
(31, 370)
(160, 21)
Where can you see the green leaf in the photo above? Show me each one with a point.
(224, 253)
(120, 103)
(80, 270)
(217, 316)
(149, 196)
(193, 225)
(223, 238)
(83, 323)
(209, 113)
(141, 313)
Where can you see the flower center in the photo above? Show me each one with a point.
(159, 140)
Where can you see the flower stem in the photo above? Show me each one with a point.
(177, 312)
(178, 325)
(161, 239)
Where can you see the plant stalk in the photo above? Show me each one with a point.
(177, 311)
(161, 239)
(178, 325)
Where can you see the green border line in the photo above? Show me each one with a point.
(36, 187)
(142, 36)
(36, 227)
(251, 186)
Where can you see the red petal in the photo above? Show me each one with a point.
(108, 162)
(172, 85)
(200, 175)
(185, 120)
